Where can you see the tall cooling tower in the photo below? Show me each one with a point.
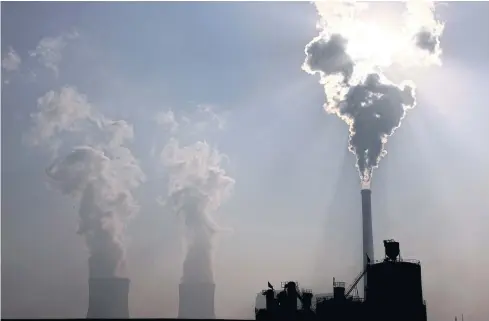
(196, 301)
(108, 298)
(368, 242)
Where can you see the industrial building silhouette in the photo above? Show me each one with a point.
(393, 291)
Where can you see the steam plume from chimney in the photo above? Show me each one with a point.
(106, 201)
(100, 175)
(355, 45)
(197, 186)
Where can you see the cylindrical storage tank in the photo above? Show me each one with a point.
(108, 298)
(398, 282)
(339, 292)
(196, 301)
(270, 299)
(306, 301)
(391, 249)
(292, 297)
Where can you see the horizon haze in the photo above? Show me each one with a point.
(203, 107)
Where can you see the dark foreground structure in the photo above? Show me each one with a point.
(393, 291)
(108, 298)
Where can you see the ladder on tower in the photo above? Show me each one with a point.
(354, 284)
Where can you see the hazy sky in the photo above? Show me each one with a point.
(295, 210)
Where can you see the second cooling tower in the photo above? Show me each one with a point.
(196, 301)
(108, 298)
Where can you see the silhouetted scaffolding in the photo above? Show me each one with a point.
(393, 291)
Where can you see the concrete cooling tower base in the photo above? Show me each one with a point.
(108, 298)
(196, 301)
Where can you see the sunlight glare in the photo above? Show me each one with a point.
(380, 35)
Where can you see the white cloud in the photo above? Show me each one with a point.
(11, 60)
(196, 121)
(167, 120)
(49, 50)
(209, 111)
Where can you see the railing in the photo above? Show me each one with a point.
(408, 261)
(355, 282)
(339, 284)
(283, 284)
(321, 299)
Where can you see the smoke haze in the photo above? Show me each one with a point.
(351, 53)
(295, 208)
(100, 176)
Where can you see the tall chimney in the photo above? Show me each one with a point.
(108, 298)
(196, 301)
(368, 242)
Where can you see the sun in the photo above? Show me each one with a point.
(380, 35)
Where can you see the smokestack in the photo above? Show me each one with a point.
(368, 243)
(196, 301)
(108, 298)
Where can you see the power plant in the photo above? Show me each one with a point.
(108, 298)
(392, 288)
(393, 291)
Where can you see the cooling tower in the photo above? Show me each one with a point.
(368, 242)
(196, 301)
(108, 298)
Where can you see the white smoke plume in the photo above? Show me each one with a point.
(49, 50)
(197, 186)
(196, 121)
(63, 111)
(101, 174)
(11, 61)
(357, 43)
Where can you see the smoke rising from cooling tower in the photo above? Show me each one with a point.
(100, 175)
(354, 47)
(197, 186)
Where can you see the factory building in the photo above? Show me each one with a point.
(394, 287)
(393, 291)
